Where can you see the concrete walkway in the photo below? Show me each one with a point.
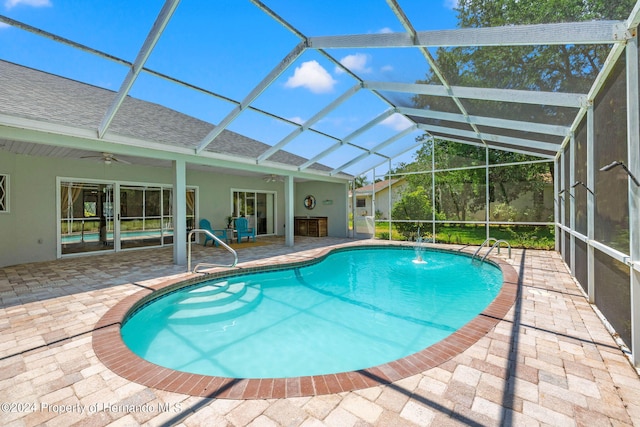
(550, 362)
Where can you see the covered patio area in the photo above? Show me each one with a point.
(550, 361)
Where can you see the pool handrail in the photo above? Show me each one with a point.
(489, 240)
(498, 245)
(204, 264)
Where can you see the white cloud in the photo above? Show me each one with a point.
(397, 122)
(385, 30)
(312, 76)
(34, 3)
(297, 119)
(386, 68)
(356, 63)
(450, 4)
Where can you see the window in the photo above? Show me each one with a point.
(361, 203)
(4, 193)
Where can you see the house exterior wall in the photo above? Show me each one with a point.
(330, 202)
(382, 201)
(28, 230)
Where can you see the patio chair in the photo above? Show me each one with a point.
(243, 229)
(221, 234)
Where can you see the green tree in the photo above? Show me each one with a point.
(360, 181)
(564, 68)
(414, 205)
(462, 192)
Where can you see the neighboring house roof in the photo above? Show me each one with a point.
(36, 95)
(377, 186)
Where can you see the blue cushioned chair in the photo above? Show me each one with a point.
(243, 229)
(220, 234)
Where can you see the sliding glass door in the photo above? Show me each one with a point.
(257, 207)
(96, 216)
(140, 216)
(87, 222)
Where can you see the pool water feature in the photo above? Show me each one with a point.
(353, 310)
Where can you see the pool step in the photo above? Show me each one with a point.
(214, 297)
(250, 296)
(209, 289)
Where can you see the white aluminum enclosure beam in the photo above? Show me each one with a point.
(591, 205)
(406, 150)
(633, 162)
(599, 81)
(497, 147)
(278, 18)
(558, 99)
(587, 32)
(571, 189)
(374, 150)
(544, 157)
(179, 212)
(103, 55)
(62, 40)
(488, 121)
(525, 143)
(356, 133)
(150, 42)
(406, 23)
(306, 125)
(634, 17)
(264, 84)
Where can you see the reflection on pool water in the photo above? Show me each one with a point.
(353, 310)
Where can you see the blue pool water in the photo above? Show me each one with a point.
(353, 310)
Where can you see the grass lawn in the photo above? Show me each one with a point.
(521, 236)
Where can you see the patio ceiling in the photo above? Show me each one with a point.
(439, 109)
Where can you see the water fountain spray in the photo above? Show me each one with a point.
(419, 249)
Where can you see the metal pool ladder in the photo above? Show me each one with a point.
(496, 244)
(216, 239)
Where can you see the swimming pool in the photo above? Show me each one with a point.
(353, 310)
(111, 350)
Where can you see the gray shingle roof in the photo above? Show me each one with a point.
(380, 185)
(34, 94)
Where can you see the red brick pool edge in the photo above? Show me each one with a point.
(115, 355)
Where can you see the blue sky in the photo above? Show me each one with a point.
(228, 47)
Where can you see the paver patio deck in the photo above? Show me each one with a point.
(550, 361)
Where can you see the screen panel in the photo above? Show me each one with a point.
(613, 293)
(611, 192)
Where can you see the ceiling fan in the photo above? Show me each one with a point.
(107, 158)
(273, 178)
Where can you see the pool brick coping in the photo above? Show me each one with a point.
(115, 355)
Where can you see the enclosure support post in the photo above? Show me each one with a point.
(390, 196)
(591, 183)
(633, 150)
(288, 211)
(373, 201)
(572, 204)
(179, 212)
(353, 209)
(556, 199)
(487, 200)
(433, 188)
(561, 201)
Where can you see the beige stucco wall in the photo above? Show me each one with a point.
(382, 201)
(28, 231)
(331, 201)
